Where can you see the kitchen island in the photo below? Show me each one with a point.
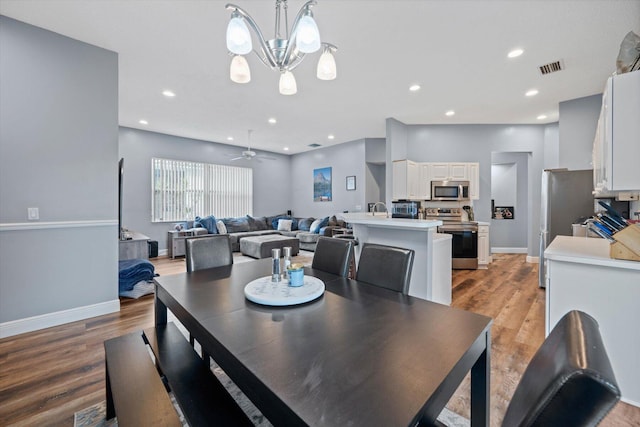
(581, 276)
(431, 274)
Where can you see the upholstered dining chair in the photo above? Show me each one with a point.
(569, 381)
(333, 255)
(385, 266)
(208, 252)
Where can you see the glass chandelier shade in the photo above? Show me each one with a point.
(288, 84)
(239, 71)
(308, 35)
(284, 52)
(326, 65)
(238, 36)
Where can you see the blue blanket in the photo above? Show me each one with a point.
(132, 271)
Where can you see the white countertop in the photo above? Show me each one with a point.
(380, 220)
(585, 250)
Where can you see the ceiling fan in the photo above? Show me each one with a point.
(249, 154)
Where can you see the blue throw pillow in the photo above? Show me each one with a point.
(208, 222)
(324, 222)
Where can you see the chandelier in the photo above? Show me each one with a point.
(281, 53)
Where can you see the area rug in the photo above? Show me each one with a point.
(93, 416)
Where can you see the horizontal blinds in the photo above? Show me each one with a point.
(182, 190)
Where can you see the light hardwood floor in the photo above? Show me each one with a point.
(46, 376)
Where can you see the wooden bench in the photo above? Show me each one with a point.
(138, 400)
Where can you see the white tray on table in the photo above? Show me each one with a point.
(264, 291)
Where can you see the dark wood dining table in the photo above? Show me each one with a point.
(358, 355)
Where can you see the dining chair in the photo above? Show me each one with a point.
(208, 252)
(333, 255)
(385, 266)
(569, 381)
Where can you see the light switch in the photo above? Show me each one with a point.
(33, 214)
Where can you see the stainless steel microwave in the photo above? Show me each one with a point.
(450, 190)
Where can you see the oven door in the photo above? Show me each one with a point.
(464, 246)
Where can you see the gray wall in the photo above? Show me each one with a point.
(58, 152)
(271, 178)
(345, 160)
(512, 233)
(578, 122)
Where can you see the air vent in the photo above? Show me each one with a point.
(314, 145)
(551, 67)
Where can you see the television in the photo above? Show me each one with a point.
(120, 176)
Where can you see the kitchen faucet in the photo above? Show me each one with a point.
(373, 209)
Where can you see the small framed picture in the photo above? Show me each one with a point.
(351, 183)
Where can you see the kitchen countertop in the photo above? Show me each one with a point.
(585, 250)
(380, 220)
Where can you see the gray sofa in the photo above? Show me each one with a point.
(239, 227)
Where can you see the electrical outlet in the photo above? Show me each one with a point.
(33, 214)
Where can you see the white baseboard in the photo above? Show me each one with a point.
(508, 250)
(29, 324)
(533, 259)
(163, 252)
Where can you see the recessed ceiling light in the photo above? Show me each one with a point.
(532, 92)
(450, 113)
(143, 122)
(286, 148)
(168, 93)
(541, 117)
(414, 88)
(273, 120)
(515, 53)
(331, 136)
(229, 138)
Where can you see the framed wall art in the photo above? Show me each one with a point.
(322, 185)
(351, 183)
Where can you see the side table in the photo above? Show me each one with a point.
(176, 244)
(135, 248)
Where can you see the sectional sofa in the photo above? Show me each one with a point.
(307, 230)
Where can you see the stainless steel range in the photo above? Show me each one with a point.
(464, 247)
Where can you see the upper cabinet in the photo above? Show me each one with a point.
(412, 180)
(449, 171)
(616, 149)
(406, 180)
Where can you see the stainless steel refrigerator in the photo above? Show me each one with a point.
(566, 196)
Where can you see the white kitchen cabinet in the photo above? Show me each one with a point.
(448, 171)
(580, 275)
(616, 150)
(484, 252)
(406, 180)
(474, 181)
(424, 187)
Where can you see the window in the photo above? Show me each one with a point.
(183, 190)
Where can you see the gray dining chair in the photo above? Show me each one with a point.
(208, 252)
(333, 256)
(385, 266)
(569, 381)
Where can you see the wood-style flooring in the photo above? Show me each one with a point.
(46, 376)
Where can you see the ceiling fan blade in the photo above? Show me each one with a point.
(262, 156)
(237, 158)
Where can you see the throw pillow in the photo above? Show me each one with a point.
(315, 226)
(236, 225)
(324, 223)
(333, 221)
(256, 224)
(222, 229)
(208, 222)
(284, 224)
(274, 220)
(304, 224)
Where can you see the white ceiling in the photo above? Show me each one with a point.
(455, 49)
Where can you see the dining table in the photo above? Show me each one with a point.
(357, 355)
